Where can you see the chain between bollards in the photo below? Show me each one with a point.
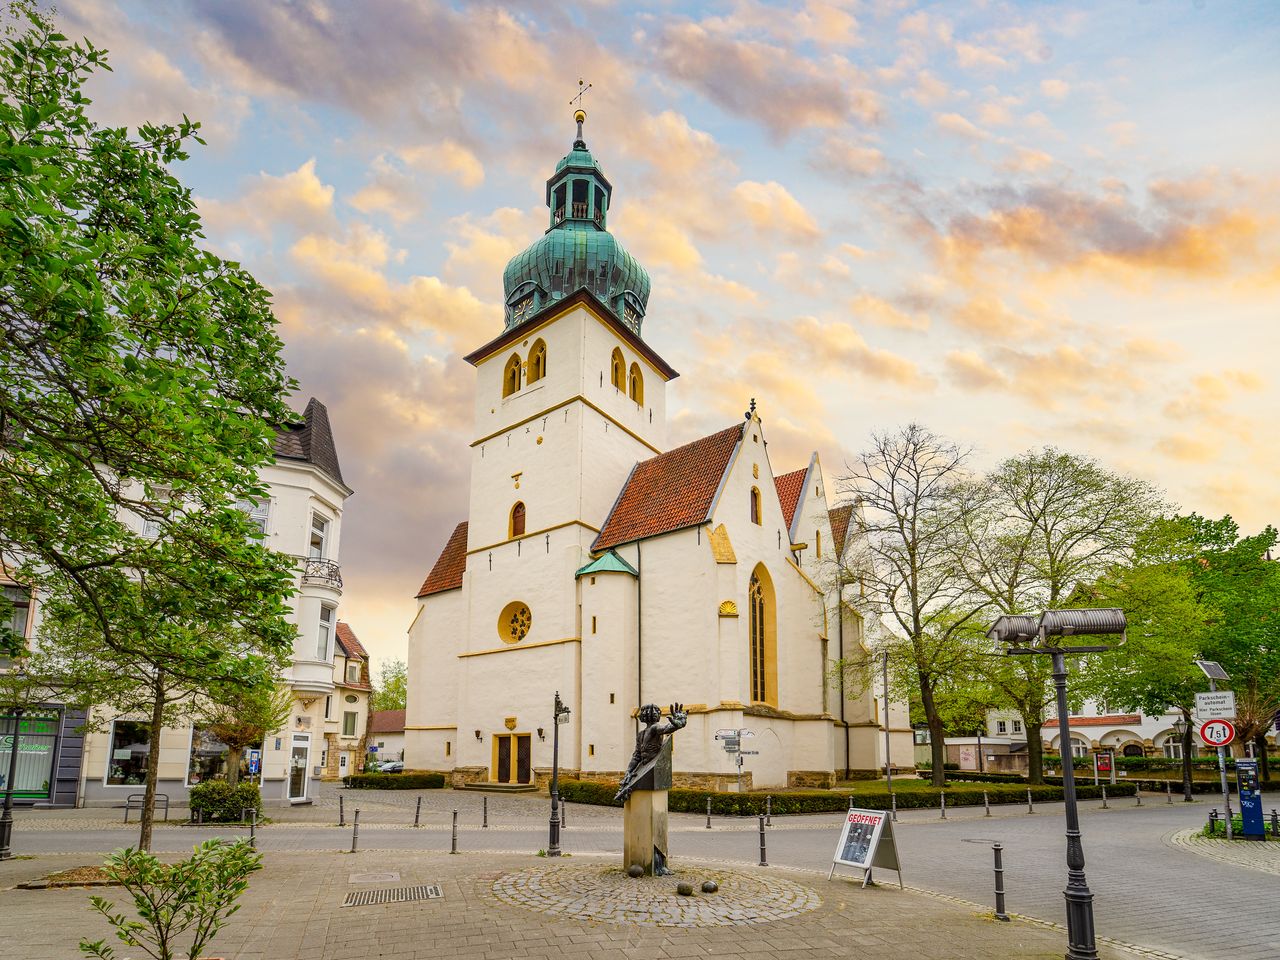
(417, 814)
(942, 798)
(1030, 807)
(986, 804)
(996, 850)
(768, 811)
(764, 861)
(342, 822)
(454, 843)
(484, 812)
(355, 830)
(708, 813)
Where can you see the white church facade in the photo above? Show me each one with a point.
(597, 563)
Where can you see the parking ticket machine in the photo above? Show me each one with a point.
(1250, 799)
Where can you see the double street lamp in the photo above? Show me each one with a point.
(1028, 635)
(559, 715)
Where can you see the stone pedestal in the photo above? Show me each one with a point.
(645, 829)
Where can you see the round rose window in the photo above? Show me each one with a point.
(514, 622)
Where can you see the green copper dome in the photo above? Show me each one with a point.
(577, 252)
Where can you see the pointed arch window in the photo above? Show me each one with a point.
(618, 371)
(511, 376)
(755, 506)
(636, 384)
(537, 361)
(762, 630)
(515, 527)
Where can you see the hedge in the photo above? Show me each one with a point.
(825, 801)
(394, 781)
(219, 802)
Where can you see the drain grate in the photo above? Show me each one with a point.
(365, 898)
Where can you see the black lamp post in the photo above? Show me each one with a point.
(1020, 634)
(6, 818)
(1182, 730)
(559, 716)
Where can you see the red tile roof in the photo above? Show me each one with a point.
(839, 517)
(1115, 720)
(452, 563)
(386, 721)
(670, 491)
(350, 642)
(789, 487)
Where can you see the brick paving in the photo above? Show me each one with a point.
(291, 912)
(1263, 856)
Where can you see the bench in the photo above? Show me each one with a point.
(136, 801)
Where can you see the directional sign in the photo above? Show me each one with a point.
(1218, 705)
(1217, 733)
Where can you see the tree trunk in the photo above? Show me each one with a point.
(233, 764)
(1260, 751)
(1035, 749)
(1187, 750)
(937, 737)
(153, 763)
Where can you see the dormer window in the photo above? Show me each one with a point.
(522, 309)
(353, 672)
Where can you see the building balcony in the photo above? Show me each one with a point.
(321, 573)
(311, 676)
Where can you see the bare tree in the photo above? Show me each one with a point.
(906, 566)
(1036, 528)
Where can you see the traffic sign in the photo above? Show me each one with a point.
(1217, 705)
(1217, 733)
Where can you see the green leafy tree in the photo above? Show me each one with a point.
(391, 690)
(1039, 525)
(241, 716)
(190, 900)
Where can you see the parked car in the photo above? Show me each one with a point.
(392, 766)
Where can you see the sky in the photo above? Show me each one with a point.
(1020, 224)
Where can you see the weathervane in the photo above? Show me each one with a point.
(580, 115)
(583, 87)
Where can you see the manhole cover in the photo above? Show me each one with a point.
(365, 898)
(374, 878)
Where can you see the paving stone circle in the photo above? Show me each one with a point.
(584, 891)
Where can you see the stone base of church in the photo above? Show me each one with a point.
(811, 779)
(718, 782)
(542, 777)
(463, 775)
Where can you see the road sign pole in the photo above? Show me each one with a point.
(1222, 771)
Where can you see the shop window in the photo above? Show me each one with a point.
(210, 758)
(38, 735)
(127, 762)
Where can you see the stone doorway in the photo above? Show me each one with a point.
(512, 758)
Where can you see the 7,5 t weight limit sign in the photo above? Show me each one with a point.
(1217, 733)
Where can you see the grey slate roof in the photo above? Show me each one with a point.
(310, 440)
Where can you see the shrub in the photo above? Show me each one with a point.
(394, 781)
(219, 802)
(824, 801)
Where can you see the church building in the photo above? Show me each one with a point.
(601, 564)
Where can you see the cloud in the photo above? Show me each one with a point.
(843, 157)
(988, 316)
(881, 312)
(1054, 88)
(772, 209)
(389, 191)
(480, 247)
(971, 56)
(1026, 160)
(957, 125)
(446, 157)
(299, 200)
(968, 370)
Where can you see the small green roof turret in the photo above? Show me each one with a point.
(577, 252)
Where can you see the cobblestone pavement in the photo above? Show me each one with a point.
(1256, 856)
(292, 912)
(604, 892)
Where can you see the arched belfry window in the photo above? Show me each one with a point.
(537, 361)
(636, 384)
(618, 371)
(763, 634)
(516, 525)
(511, 376)
(755, 506)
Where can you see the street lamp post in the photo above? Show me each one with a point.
(560, 715)
(888, 763)
(6, 818)
(1182, 730)
(1020, 634)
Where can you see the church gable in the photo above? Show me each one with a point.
(671, 491)
(450, 566)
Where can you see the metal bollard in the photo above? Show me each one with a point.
(1104, 796)
(1275, 823)
(454, 847)
(1138, 796)
(942, 797)
(1168, 792)
(1030, 807)
(986, 804)
(1213, 821)
(764, 861)
(355, 830)
(341, 813)
(996, 850)
(417, 814)
(893, 806)
(564, 819)
(253, 824)
(768, 811)
(850, 801)
(708, 813)
(484, 812)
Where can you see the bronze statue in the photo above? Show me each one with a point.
(649, 742)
